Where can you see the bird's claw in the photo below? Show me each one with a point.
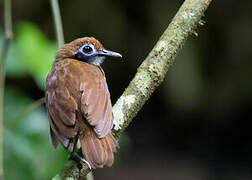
(74, 156)
(86, 162)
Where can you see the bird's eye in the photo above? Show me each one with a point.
(87, 49)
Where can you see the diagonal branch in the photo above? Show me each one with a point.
(149, 75)
(6, 42)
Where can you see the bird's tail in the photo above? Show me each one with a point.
(98, 152)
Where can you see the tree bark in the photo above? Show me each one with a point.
(149, 76)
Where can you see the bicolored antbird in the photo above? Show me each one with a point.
(78, 102)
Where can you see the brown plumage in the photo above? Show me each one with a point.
(78, 101)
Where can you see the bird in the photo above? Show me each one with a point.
(78, 102)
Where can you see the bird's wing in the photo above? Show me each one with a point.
(96, 104)
(61, 109)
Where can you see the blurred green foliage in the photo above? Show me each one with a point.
(27, 150)
(30, 54)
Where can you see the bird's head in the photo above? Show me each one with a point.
(86, 49)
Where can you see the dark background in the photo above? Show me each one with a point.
(195, 126)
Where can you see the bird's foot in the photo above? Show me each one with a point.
(75, 156)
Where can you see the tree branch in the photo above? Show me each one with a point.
(149, 75)
(57, 22)
(6, 41)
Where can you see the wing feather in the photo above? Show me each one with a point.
(96, 105)
(63, 140)
(61, 110)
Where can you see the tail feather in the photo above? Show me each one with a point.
(98, 152)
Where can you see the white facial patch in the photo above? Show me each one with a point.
(97, 60)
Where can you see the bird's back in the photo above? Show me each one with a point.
(78, 103)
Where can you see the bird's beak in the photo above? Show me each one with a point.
(105, 52)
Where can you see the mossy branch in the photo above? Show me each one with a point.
(5, 46)
(149, 75)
